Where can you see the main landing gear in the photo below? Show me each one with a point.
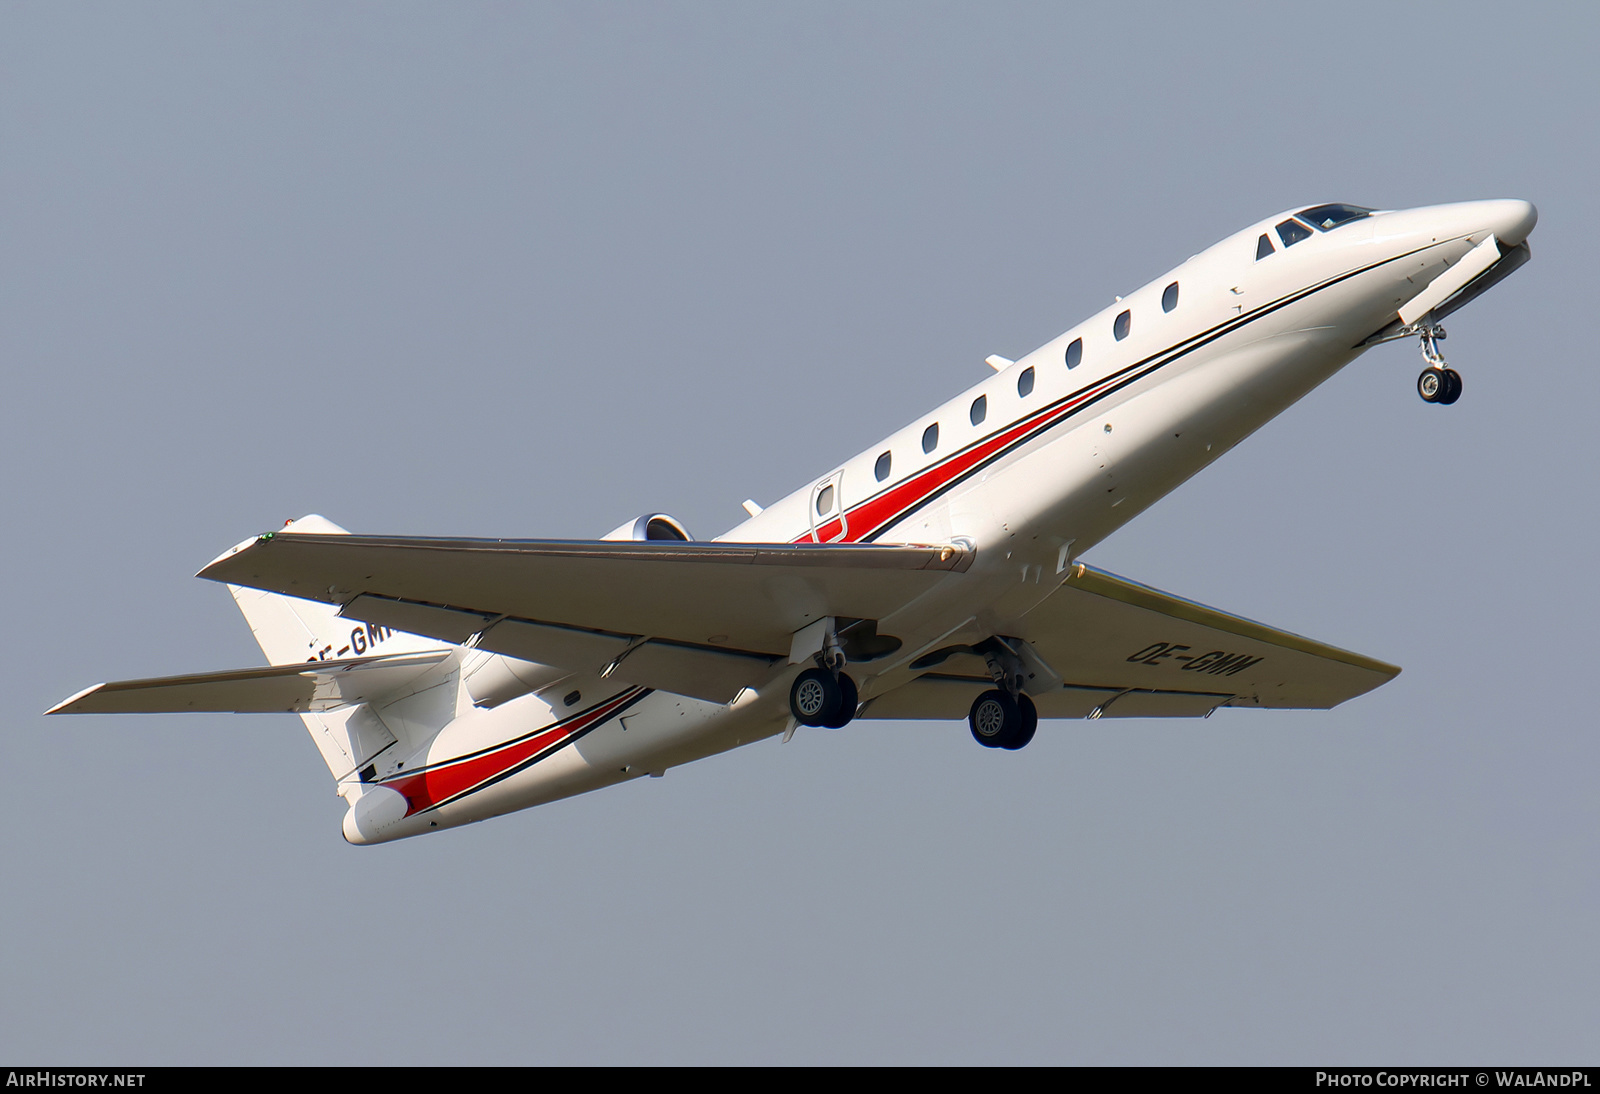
(1003, 716)
(824, 696)
(820, 697)
(1002, 720)
(1439, 383)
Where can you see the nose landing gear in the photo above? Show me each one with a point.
(1439, 383)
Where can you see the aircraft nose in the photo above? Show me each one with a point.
(1511, 219)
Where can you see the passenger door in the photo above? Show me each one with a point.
(828, 521)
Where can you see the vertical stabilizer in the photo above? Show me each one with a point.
(373, 736)
(289, 629)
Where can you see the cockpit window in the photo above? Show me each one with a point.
(1292, 231)
(1325, 218)
(1264, 247)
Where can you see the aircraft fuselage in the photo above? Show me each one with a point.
(1028, 469)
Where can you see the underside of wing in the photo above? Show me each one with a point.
(1123, 649)
(296, 689)
(939, 696)
(701, 619)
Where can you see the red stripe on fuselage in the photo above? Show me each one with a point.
(877, 512)
(434, 786)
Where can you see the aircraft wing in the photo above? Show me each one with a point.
(701, 619)
(1123, 649)
(297, 689)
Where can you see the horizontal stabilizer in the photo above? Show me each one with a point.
(297, 689)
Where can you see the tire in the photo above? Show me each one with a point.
(1452, 387)
(849, 700)
(1028, 722)
(1432, 385)
(815, 697)
(994, 718)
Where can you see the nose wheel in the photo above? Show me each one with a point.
(1439, 383)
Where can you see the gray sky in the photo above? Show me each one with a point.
(531, 270)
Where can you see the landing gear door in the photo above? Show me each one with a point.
(828, 522)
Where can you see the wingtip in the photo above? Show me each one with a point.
(212, 571)
(61, 707)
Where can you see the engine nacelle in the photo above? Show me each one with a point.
(494, 678)
(651, 526)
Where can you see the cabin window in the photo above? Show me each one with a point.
(1123, 325)
(930, 437)
(980, 409)
(1169, 299)
(1025, 383)
(572, 698)
(881, 468)
(1292, 231)
(825, 500)
(1263, 247)
(1075, 353)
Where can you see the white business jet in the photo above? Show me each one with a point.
(934, 575)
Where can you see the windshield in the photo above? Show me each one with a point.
(1325, 218)
(1292, 231)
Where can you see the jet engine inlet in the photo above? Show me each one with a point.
(651, 526)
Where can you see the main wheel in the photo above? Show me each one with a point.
(849, 699)
(994, 718)
(1452, 387)
(1028, 722)
(1432, 385)
(815, 697)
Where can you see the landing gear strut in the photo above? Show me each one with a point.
(1439, 383)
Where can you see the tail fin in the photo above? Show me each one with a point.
(361, 742)
(290, 630)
